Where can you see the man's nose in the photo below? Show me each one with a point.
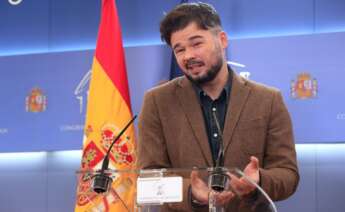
(188, 54)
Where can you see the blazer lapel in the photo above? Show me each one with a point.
(190, 104)
(238, 97)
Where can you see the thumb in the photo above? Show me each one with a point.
(254, 163)
(194, 175)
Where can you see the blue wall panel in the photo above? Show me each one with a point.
(24, 27)
(23, 182)
(246, 18)
(140, 20)
(330, 178)
(305, 198)
(329, 15)
(145, 70)
(58, 76)
(279, 61)
(61, 180)
(74, 24)
(36, 26)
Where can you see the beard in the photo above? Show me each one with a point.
(210, 74)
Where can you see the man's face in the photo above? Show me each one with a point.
(198, 52)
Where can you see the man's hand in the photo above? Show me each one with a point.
(241, 185)
(199, 188)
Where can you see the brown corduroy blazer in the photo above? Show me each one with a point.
(172, 134)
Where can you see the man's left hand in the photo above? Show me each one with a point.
(241, 185)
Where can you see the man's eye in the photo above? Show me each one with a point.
(179, 51)
(197, 44)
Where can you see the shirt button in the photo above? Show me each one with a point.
(214, 109)
(215, 135)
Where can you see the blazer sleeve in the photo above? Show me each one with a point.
(279, 176)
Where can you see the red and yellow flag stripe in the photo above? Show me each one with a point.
(108, 111)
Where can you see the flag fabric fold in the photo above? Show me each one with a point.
(108, 111)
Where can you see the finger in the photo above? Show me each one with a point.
(234, 180)
(228, 197)
(236, 183)
(240, 186)
(224, 197)
(231, 176)
(199, 188)
(253, 165)
(254, 162)
(197, 182)
(194, 176)
(252, 169)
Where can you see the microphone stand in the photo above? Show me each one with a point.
(218, 180)
(102, 180)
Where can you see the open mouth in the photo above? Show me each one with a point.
(194, 64)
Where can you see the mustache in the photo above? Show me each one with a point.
(191, 62)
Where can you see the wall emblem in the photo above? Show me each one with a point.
(36, 101)
(304, 87)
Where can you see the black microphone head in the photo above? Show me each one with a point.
(101, 183)
(218, 179)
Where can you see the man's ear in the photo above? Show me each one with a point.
(223, 39)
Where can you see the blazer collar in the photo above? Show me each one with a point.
(238, 97)
(190, 104)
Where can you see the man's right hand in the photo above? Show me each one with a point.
(200, 190)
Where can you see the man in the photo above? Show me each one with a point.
(177, 128)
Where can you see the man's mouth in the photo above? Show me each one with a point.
(194, 64)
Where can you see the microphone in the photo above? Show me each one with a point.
(218, 176)
(102, 181)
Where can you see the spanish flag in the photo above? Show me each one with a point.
(108, 111)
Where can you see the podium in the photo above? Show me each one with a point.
(156, 190)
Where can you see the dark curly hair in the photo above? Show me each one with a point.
(204, 15)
